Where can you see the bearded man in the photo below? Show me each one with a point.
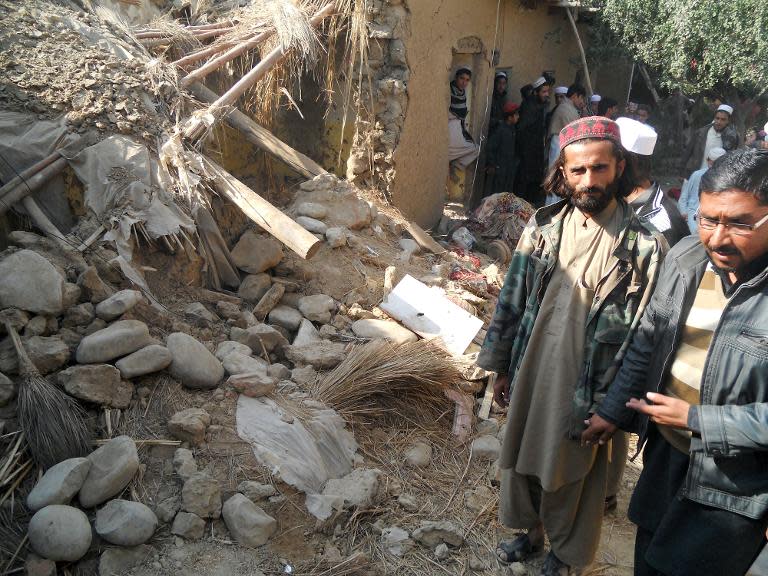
(576, 287)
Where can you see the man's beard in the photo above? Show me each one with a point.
(589, 203)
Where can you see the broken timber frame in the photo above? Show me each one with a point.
(261, 137)
(267, 216)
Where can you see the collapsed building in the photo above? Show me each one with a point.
(212, 257)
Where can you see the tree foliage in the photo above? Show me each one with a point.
(694, 45)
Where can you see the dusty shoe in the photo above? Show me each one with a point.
(553, 566)
(517, 550)
(611, 502)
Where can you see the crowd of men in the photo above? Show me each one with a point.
(615, 319)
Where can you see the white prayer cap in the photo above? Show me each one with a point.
(539, 82)
(561, 90)
(637, 137)
(500, 74)
(595, 98)
(725, 108)
(715, 153)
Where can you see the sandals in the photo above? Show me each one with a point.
(517, 550)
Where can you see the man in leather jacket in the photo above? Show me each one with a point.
(694, 385)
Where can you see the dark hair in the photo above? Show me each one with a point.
(644, 107)
(576, 89)
(745, 169)
(604, 104)
(642, 166)
(555, 182)
(526, 90)
(462, 70)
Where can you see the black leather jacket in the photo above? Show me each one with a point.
(729, 460)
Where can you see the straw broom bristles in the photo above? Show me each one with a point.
(53, 422)
(379, 378)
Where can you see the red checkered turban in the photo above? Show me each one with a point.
(590, 127)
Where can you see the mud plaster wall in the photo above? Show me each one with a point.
(529, 41)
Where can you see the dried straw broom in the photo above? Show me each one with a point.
(379, 379)
(53, 423)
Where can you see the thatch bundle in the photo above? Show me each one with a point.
(379, 379)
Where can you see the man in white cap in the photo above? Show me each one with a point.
(719, 134)
(498, 100)
(654, 208)
(594, 101)
(561, 93)
(531, 133)
(568, 111)
(689, 195)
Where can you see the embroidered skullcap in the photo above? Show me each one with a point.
(715, 153)
(637, 137)
(590, 127)
(500, 74)
(561, 90)
(595, 98)
(725, 108)
(539, 82)
(510, 108)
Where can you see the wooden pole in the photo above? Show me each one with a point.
(219, 61)
(649, 83)
(29, 172)
(204, 53)
(31, 184)
(263, 213)
(196, 126)
(43, 222)
(261, 137)
(581, 50)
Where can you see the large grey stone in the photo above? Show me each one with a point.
(312, 209)
(317, 308)
(34, 565)
(256, 491)
(120, 561)
(237, 363)
(188, 525)
(312, 225)
(199, 314)
(7, 389)
(15, 317)
(432, 534)
(201, 495)
(151, 359)
(189, 425)
(184, 463)
(228, 346)
(255, 254)
(118, 304)
(358, 488)
(258, 337)
(80, 315)
(125, 522)
(336, 237)
(285, 316)
(248, 523)
(59, 483)
(93, 287)
(167, 508)
(97, 383)
(321, 355)
(60, 533)
(255, 384)
(116, 340)
(418, 454)
(113, 466)
(254, 286)
(384, 329)
(193, 365)
(485, 448)
(48, 353)
(396, 541)
(228, 310)
(29, 282)
(307, 334)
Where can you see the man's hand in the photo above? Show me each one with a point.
(501, 390)
(598, 431)
(665, 410)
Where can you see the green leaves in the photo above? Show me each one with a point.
(693, 44)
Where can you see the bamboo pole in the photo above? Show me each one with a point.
(261, 137)
(263, 213)
(31, 184)
(581, 50)
(204, 53)
(29, 172)
(195, 127)
(222, 59)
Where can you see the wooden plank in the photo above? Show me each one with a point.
(423, 239)
(485, 407)
(269, 218)
(261, 137)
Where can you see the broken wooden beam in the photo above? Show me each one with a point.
(261, 137)
(27, 173)
(219, 61)
(196, 126)
(423, 239)
(32, 184)
(262, 212)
